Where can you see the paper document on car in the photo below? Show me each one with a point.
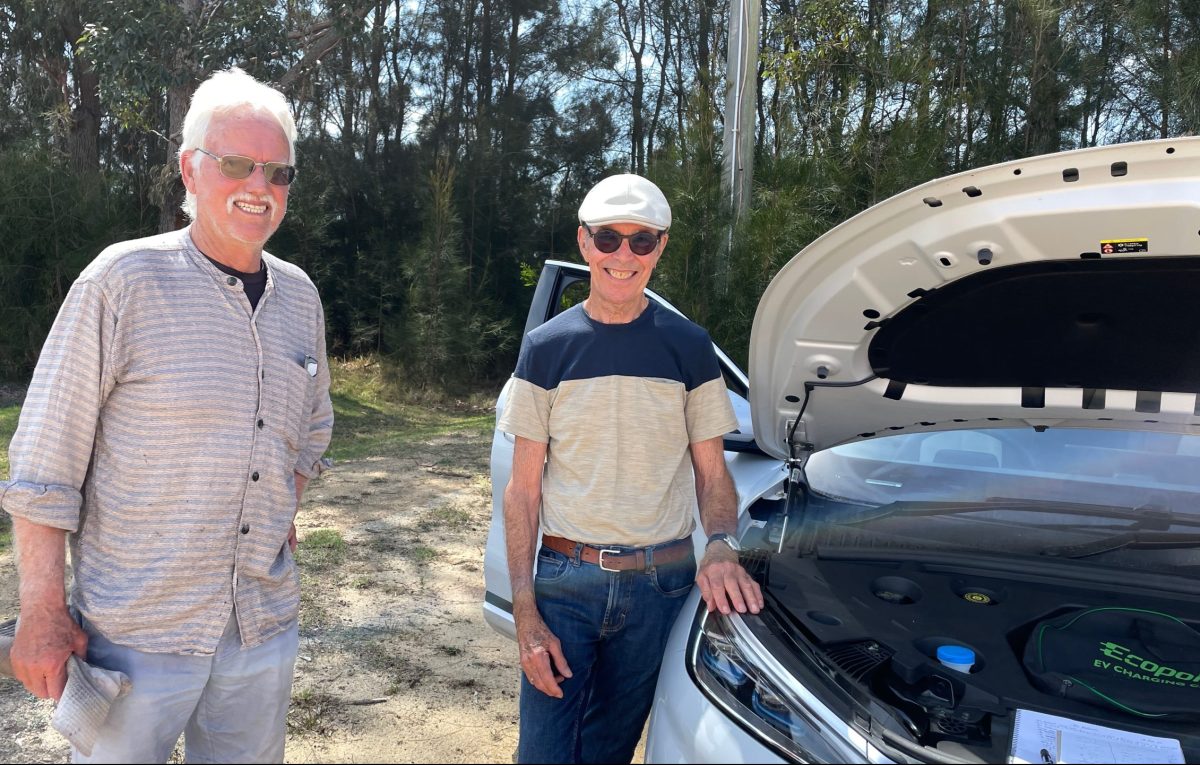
(1040, 738)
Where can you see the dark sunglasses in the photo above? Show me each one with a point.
(237, 167)
(608, 241)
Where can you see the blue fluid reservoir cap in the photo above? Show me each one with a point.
(955, 654)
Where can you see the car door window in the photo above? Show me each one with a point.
(573, 294)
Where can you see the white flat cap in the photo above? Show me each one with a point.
(626, 198)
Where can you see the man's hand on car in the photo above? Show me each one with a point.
(725, 585)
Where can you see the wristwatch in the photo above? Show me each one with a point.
(726, 538)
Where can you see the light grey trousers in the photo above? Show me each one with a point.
(230, 707)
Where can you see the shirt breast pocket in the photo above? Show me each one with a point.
(296, 391)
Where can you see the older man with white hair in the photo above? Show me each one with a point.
(618, 409)
(179, 407)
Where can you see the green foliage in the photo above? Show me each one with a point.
(716, 274)
(377, 413)
(420, 554)
(54, 222)
(529, 275)
(445, 517)
(361, 582)
(141, 48)
(8, 425)
(449, 333)
(321, 549)
(310, 712)
(690, 270)
(444, 146)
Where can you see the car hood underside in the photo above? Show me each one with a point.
(1055, 291)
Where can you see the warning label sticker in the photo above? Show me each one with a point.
(1123, 246)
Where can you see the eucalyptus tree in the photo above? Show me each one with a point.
(43, 42)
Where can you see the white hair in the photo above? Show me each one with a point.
(225, 93)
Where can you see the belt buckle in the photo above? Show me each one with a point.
(610, 551)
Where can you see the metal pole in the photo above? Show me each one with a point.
(741, 81)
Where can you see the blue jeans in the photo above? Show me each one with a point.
(613, 627)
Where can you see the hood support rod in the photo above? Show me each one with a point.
(800, 451)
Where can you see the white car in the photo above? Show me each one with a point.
(968, 465)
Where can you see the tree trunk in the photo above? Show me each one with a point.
(1046, 92)
(876, 11)
(84, 138)
(179, 97)
(484, 71)
(376, 115)
(703, 53)
(1164, 129)
(80, 88)
(998, 96)
(664, 60)
(633, 29)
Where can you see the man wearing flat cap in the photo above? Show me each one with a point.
(618, 409)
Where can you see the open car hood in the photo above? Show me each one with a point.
(1061, 290)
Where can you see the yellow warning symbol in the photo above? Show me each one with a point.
(1123, 246)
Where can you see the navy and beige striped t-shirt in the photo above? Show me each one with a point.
(618, 405)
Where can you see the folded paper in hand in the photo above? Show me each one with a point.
(85, 703)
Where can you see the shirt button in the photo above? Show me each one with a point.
(260, 424)
(254, 476)
(245, 528)
(231, 281)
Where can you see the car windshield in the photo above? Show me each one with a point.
(1112, 497)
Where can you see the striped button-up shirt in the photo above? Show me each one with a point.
(163, 428)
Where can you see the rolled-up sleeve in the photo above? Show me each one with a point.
(312, 462)
(52, 448)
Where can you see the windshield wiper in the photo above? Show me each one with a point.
(1146, 540)
(1145, 516)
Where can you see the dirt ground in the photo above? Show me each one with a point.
(396, 663)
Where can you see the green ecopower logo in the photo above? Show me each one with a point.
(1136, 668)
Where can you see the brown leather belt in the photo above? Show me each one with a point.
(612, 559)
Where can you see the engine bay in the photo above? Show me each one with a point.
(879, 617)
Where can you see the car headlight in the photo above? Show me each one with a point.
(740, 676)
